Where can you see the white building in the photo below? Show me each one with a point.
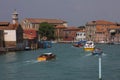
(12, 33)
(80, 36)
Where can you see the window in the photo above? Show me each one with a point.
(5, 33)
(84, 34)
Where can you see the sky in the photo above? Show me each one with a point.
(75, 12)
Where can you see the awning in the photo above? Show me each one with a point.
(112, 31)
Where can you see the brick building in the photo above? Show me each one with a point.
(102, 31)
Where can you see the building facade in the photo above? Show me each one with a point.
(34, 23)
(102, 31)
(30, 39)
(11, 33)
(1, 39)
(59, 32)
(80, 36)
(70, 33)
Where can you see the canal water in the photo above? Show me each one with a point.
(71, 63)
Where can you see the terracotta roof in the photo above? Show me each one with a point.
(114, 27)
(4, 23)
(8, 26)
(72, 29)
(103, 29)
(100, 29)
(30, 34)
(101, 22)
(40, 20)
(60, 27)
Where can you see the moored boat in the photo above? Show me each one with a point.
(89, 46)
(46, 56)
(79, 44)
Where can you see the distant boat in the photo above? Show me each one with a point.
(79, 44)
(102, 42)
(53, 41)
(89, 46)
(27, 48)
(97, 51)
(46, 56)
(117, 43)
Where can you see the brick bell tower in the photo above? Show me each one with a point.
(15, 17)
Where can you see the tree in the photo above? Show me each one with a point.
(46, 30)
(81, 27)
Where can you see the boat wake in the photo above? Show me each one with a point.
(25, 63)
(31, 61)
(90, 54)
(104, 54)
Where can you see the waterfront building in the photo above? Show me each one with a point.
(114, 33)
(30, 37)
(102, 31)
(70, 33)
(80, 36)
(59, 32)
(11, 33)
(1, 38)
(34, 23)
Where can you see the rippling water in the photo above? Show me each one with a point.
(71, 64)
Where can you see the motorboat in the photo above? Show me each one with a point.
(89, 46)
(27, 48)
(97, 51)
(79, 44)
(46, 56)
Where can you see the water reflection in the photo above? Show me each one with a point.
(10, 57)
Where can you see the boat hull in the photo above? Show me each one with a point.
(77, 45)
(45, 57)
(97, 51)
(41, 59)
(88, 49)
(89, 46)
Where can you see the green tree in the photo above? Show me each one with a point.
(81, 27)
(47, 30)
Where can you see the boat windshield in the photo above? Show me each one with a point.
(47, 53)
(89, 42)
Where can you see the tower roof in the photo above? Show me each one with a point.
(15, 12)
